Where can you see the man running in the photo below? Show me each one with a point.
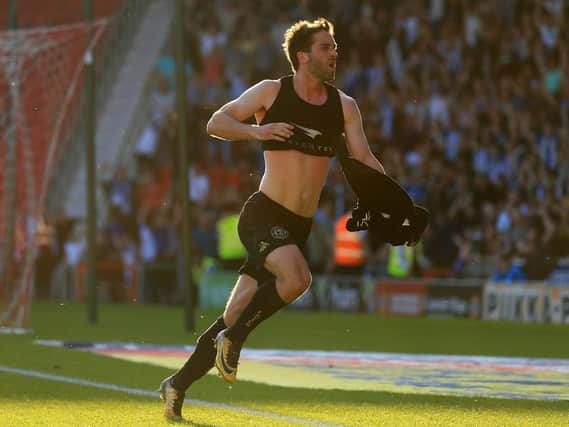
(301, 120)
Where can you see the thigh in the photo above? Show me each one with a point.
(261, 234)
(262, 231)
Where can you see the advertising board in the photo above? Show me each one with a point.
(534, 302)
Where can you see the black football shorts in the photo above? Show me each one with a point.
(264, 225)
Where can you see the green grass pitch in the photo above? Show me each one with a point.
(32, 401)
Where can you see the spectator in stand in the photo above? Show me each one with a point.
(166, 240)
(153, 188)
(148, 253)
(508, 271)
(559, 243)
(158, 246)
(441, 234)
(537, 264)
(74, 249)
(205, 235)
(121, 193)
(110, 273)
(320, 243)
(199, 183)
(147, 146)
(46, 258)
(162, 97)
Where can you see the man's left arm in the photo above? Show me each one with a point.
(357, 143)
(363, 215)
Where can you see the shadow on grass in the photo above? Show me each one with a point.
(188, 422)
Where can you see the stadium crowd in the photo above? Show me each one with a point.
(466, 103)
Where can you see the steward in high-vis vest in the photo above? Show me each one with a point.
(400, 261)
(349, 248)
(230, 250)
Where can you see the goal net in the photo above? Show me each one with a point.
(40, 93)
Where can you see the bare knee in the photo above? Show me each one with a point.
(293, 283)
(291, 270)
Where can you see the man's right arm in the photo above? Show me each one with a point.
(227, 122)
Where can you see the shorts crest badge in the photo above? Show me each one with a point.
(279, 232)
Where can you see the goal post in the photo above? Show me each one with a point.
(40, 95)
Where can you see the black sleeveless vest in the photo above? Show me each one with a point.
(318, 129)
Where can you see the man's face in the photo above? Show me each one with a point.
(322, 56)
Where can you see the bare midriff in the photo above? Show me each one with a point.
(294, 180)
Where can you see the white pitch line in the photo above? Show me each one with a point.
(140, 392)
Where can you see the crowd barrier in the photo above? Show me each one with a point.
(395, 297)
(419, 297)
(538, 302)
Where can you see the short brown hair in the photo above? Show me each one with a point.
(298, 38)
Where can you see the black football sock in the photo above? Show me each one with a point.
(264, 304)
(201, 360)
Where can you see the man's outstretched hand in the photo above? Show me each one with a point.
(360, 219)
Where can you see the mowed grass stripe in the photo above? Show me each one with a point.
(139, 392)
(29, 401)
